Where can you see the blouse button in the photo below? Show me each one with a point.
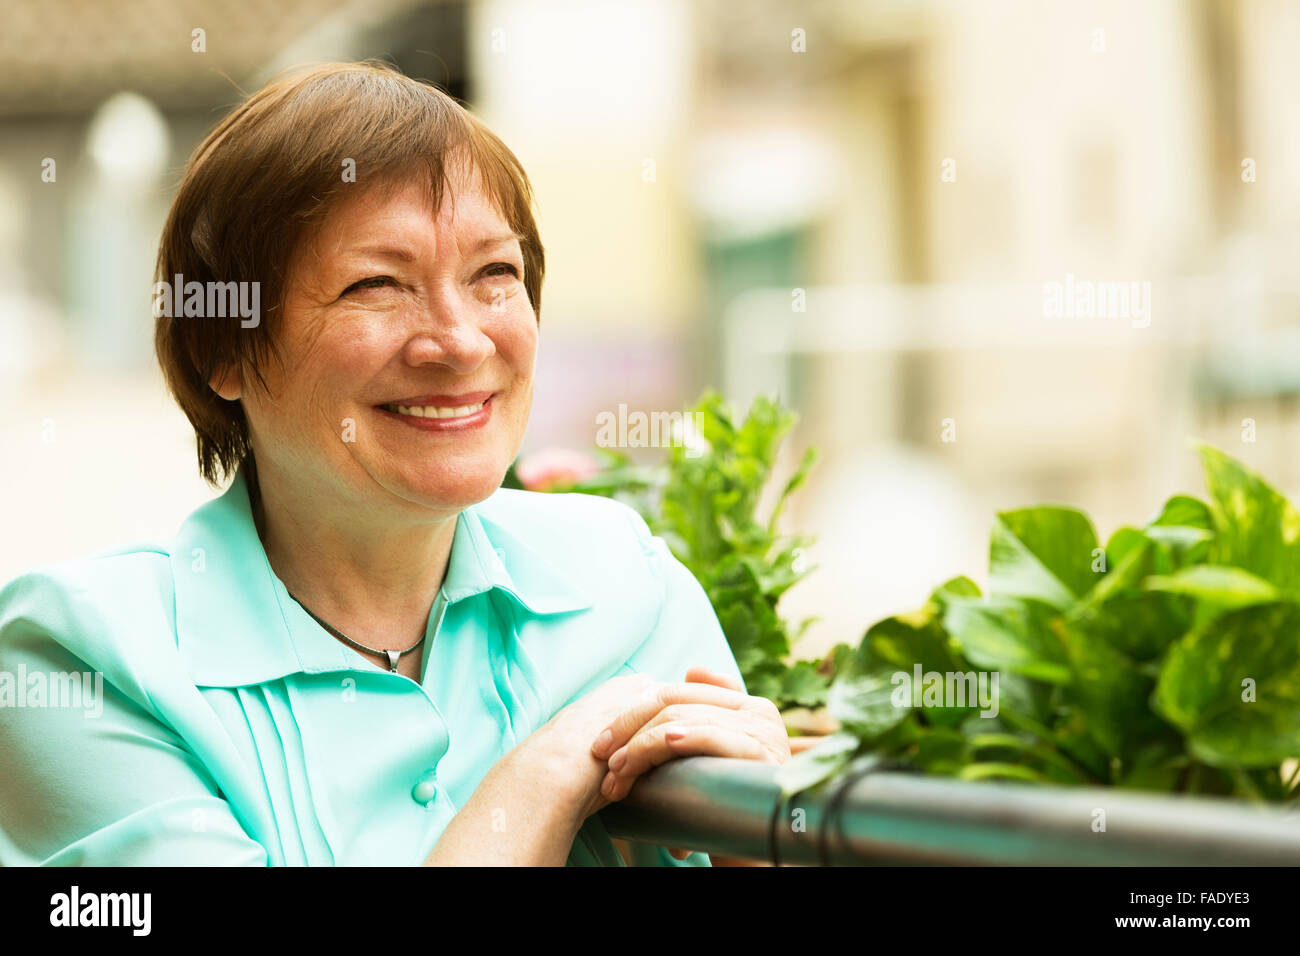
(425, 788)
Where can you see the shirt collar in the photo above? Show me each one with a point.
(236, 623)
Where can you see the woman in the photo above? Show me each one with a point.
(363, 652)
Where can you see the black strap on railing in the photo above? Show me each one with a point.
(781, 801)
(832, 817)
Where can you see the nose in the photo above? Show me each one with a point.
(450, 333)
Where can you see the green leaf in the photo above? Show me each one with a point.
(1210, 676)
(1256, 528)
(1184, 526)
(1121, 546)
(836, 659)
(1045, 553)
(1158, 765)
(796, 480)
(958, 587)
(1120, 613)
(1003, 771)
(940, 750)
(908, 641)
(766, 680)
(1111, 693)
(803, 686)
(812, 766)
(867, 704)
(1072, 737)
(1024, 696)
(1139, 625)
(1129, 555)
(1225, 587)
(752, 630)
(1191, 545)
(1031, 750)
(1005, 633)
(1183, 510)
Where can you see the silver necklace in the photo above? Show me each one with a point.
(393, 656)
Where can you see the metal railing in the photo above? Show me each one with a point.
(733, 808)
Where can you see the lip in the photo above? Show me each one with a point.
(469, 423)
(442, 401)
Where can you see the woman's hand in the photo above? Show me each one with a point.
(708, 715)
(546, 786)
(643, 717)
(560, 750)
(683, 720)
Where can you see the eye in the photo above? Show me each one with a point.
(370, 282)
(502, 265)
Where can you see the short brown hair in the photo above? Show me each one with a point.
(274, 166)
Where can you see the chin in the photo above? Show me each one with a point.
(454, 488)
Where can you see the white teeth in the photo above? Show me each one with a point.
(435, 411)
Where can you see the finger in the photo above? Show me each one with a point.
(679, 854)
(662, 742)
(704, 675)
(621, 729)
(768, 732)
(690, 714)
(800, 744)
(670, 741)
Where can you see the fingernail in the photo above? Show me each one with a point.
(603, 741)
(674, 735)
(616, 762)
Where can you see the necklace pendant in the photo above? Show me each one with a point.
(393, 657)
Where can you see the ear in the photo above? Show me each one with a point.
(227, 383)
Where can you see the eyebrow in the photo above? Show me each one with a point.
(498, 240)
(406, 254)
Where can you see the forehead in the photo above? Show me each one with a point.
(394, 209)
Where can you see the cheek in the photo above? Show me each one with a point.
(349, 352)
(321, 378)
(517, 343)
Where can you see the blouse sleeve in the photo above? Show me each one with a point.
(101, 783)
(687, 634)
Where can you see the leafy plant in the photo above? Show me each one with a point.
(704, 501)
(1169, 659)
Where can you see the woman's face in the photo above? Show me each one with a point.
(409, 346)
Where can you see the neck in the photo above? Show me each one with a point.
(371, 575)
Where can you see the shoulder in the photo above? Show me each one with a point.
(577, 531)
(564, 513)
(597, 548)
(651, 614)
(102, 609)
(125, 578)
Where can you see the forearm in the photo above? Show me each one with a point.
(515, 817)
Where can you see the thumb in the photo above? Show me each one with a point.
(702, 675)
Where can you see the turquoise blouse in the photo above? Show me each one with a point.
(172, 705)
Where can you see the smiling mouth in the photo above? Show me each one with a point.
(436, 411)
